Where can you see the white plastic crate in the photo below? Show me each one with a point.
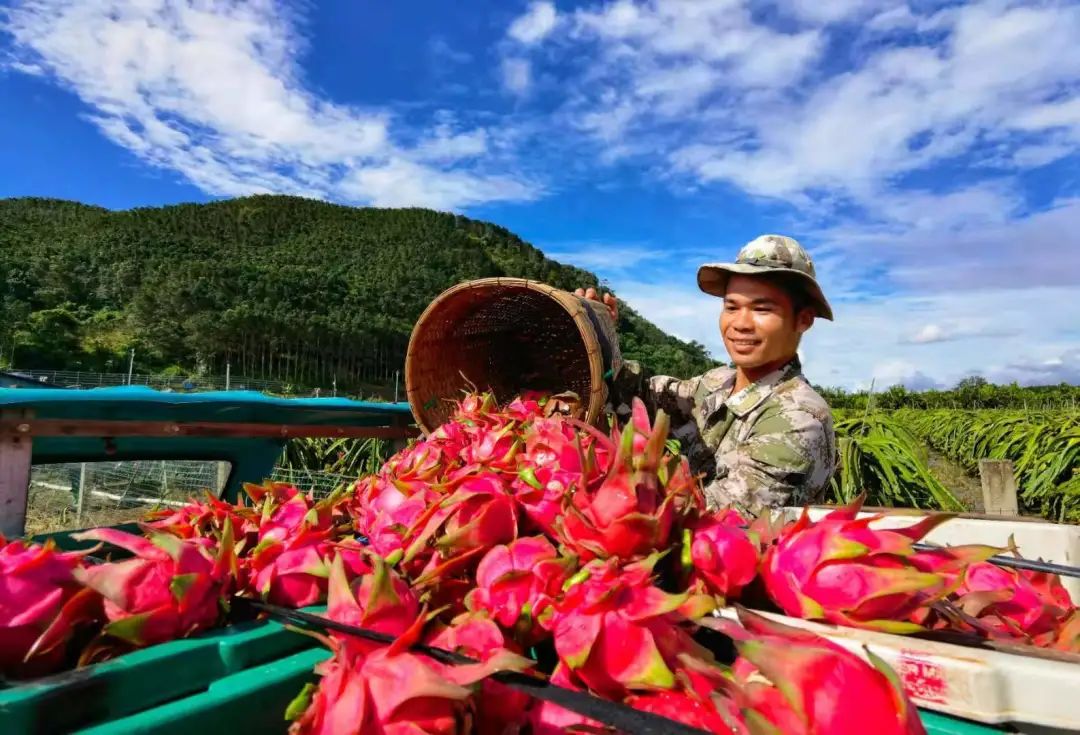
(1036, 692)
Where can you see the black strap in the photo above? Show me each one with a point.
(614, 714)
(1015, 563)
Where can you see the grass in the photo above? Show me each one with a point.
(50, 510)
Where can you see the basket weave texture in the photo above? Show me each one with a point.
(508, 335)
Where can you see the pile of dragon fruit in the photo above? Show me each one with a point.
(534, 543)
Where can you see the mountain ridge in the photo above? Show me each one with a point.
(283, 287)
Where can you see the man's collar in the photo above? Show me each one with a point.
(753, 395)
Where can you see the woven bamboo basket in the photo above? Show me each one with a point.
(508, 335)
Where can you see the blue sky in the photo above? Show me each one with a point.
(926, 152)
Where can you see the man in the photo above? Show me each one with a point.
(758, 432)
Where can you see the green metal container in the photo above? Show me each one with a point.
(235, 680)
(251, 701)
(146, 679)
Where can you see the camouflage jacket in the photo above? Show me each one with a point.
(768, 445)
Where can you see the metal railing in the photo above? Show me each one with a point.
(87, 379)
(72, 495)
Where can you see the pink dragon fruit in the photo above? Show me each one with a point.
(795, 682)
(420, 460)
(516, 583)
(1066, 637)
(354, 555)
(384, 512)
(170, 589)
(722, 557)
(842, 571)
(499, 710)
(548, 718)
(338, 705)
(411, 695)
(41, 603)
(290, 573)
(380, 601)
(479, 515)
(526, 407)
(288, 564)
(207, 519)
(629, 514)
(1013, 603)
(553, 461)
(382, 694)
(615, 631)
(286, 512)
(690, 709)
(390, 691)
(495, 448)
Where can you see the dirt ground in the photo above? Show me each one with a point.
(964, 486)
(54, 510)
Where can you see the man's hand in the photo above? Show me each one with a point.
(608, 300)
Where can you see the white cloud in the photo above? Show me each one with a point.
(895, 18)
(953, 330)
(829, 11)
(517, 74)
(677, 307)
(1064, 113)
(446, 144)
(444, 53)
(982, 332)
(1063, 368)
(992, 332)
(646, 38)
(402, 183)
(901, 372)
(214, 92)
(929, 333)
(717, 94)
(604, 258)
(535, 24)
(949, 254)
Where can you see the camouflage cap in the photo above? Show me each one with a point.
(768, 254)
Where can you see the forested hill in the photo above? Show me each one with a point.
(284, 288)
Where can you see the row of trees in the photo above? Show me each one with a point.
(972, 392)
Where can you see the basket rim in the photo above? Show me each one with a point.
(570, 303)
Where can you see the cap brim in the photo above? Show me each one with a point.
(713, 277)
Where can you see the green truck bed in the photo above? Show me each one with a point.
(234, 680)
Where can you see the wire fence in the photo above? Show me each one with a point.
(180, 383)
(319, 484)
(79, 495)
(82, 379)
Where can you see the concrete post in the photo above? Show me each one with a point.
(998, 486)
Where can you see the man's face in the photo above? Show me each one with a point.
(758, 322)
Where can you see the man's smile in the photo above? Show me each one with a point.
(744, 341)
